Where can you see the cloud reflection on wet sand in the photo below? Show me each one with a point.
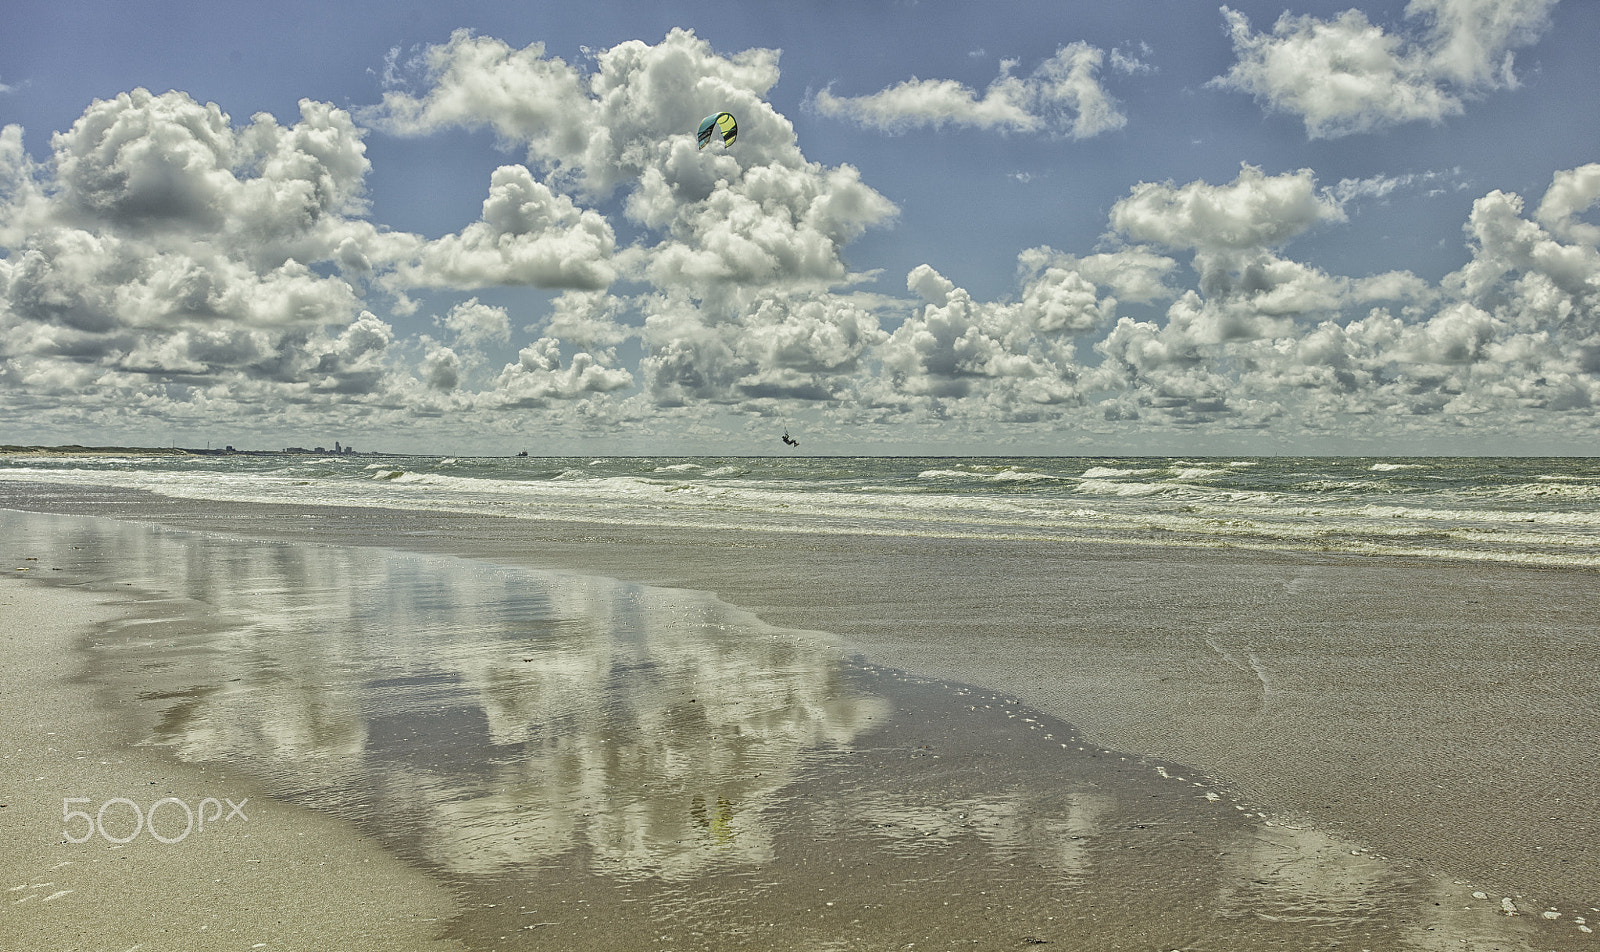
(683, 774)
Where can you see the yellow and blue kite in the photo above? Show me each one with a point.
(718, 124)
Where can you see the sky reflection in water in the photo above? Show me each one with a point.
(500, 716)
(511, 728)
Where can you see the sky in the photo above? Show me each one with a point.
(1131, 227)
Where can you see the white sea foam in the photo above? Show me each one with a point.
(1104, 487)
(1106, 472)
(1549, 489)
(1338, 486)
(1014, 475)
(1392, 467)
(1326, 507)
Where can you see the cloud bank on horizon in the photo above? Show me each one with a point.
(171, 267)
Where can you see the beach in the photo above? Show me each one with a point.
(1374, 752)
(269, 875)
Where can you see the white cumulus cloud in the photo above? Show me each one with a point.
(1253, 211)
(528, 235)
(1348, 75)
(1063, 95)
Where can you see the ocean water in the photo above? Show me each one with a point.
(1542, 511)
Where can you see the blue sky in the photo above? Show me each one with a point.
(1076, 228)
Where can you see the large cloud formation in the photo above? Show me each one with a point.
(1347, 75)
(739, 244)
(169, 263)
(171, 267)
(1510, 333)
(164, 257)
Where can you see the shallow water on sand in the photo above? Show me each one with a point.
(494, 715)
(596, 764)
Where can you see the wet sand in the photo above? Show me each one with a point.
(271, 875)
(1417, 732)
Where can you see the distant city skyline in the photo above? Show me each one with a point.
(1298, 227)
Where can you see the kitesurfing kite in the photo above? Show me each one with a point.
(715, 125)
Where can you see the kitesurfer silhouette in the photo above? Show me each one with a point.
(788, 440)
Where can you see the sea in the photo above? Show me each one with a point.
(1537, 511)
